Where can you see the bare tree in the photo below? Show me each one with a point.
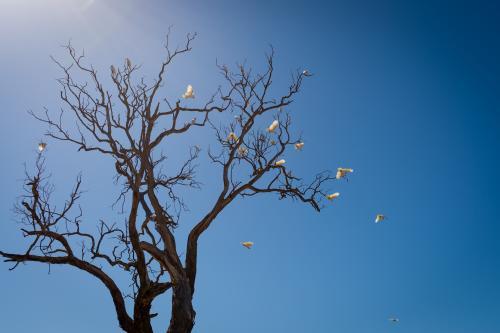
(129, 125)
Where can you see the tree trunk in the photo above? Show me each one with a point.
(143, 326)
(183, 314)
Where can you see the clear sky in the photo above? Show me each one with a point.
(405, 92)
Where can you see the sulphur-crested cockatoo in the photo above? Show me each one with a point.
(232, 137)
(280, 162)
(189, 92)
(243, 151)
(342, 172)
(333, 196)
(248, 245)
(42, 146)
(273, 126)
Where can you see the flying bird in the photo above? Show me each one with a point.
(333, 196)
(273, 126)
(299, 145)
(394, 320)
(280, 162)
(232, 137)
(42, 146)
(189, 92)
(379, 218)
(305, 72)
(342, 172)
(248, 245)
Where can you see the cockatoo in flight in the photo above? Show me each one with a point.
(342, 172)
(280, 162)
(189, 92)
(42, 146)
(394, 320)
(333, 196)
(379, 218)
(305, 72)
(248, 245)
(273, 126)
(299, 145)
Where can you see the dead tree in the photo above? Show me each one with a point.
(129, 124)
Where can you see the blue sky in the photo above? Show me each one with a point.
(404, 92)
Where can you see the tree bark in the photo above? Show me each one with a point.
(142, 317)
(183, 314)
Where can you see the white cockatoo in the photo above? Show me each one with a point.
(280, 162)
(231, 137)
(299, 145)
(379, 218)
(333, 196)
(128, 63)
(342, 172)
(189, 92)
(113, 71)
(248, 245)
(273, 126)
(243, 151)
(42, 146)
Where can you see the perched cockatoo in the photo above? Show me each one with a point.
(152, 217)
(128, 62)
(280, 162)
(305, 72)
(273, 126)
(248, 245)
(333, 196)
(394, 320)
(232, 137)
(189, 92)
(243, 151)
(113, 71)
(379, 218)
(42, 146)
(299, 145)
(342, 172)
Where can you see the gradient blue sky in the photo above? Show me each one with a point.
(405, 92)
